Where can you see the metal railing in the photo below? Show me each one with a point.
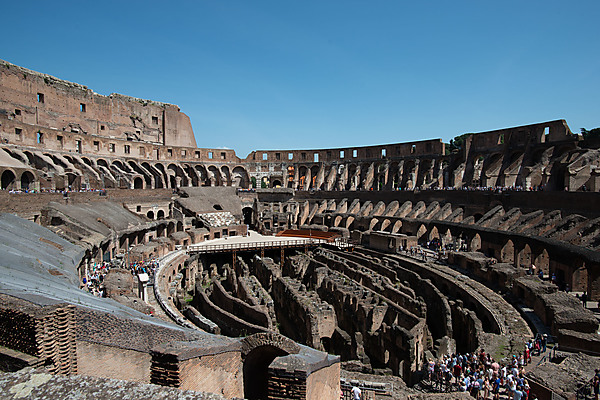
(266, 245)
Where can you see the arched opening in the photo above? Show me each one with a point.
(138, 183)
(397, 226)
(507, 254)
(422, 230)
(542, 262)
(434, 234)
(475, 243)
(248, 216)
(179, 226)
(160, 214)
(524, 258)
(350, 223)
(337, 220)
(8, 179)
(276, 183)
(372, 224)
(150, 214)
(385, 224)
(27, 180)
(256, 368)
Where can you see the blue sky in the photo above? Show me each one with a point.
(317, 74)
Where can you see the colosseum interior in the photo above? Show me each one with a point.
(134, 261)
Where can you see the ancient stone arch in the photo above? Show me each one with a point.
(385, 224)
(27, 180)
(475, 243)
(524, 257)
(239, 177)
(138, 183)
(258, 352)
(507, 253)
(337, 220)
(397, 226)
(421, 231)
(8, 179)
(373, 223)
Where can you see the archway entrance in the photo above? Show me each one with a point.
(248, 216)
(256, 371)
(258, 352)
(8, 178)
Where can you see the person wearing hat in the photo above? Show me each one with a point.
(544, 342)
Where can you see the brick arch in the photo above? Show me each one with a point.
(475, 243)
(258, 352)
(385, 224)
(373, 223)
(507, 254)
(338, 219)
(273, 339)
(9, 177)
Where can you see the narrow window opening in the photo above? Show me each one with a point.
(303, 156)
(277, 156)
(265, 156)
(78, 146)
(127, 149)
(290, 156)
(383, 152)
(82, 107)
(341, 153)
(316, 157)
(96, 145)
(17, 111)
(155, 120)
(354, 153)
(223, 155)
(40, 137)
(210, 155)
(40, 97)
(111, 147)
(197, 154)
(170, 152)
(102, 127)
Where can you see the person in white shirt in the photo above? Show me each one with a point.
(355, 393)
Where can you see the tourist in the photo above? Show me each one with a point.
(355, 393)
(584, 299)
(544, 342)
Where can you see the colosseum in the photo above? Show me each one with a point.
(134, 261)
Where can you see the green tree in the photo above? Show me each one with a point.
(591, 134)
(458, 142)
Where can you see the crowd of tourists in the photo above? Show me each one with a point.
(93, 282)
(482, 376)
(61, 191)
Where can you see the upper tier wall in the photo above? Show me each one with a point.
(39, 99)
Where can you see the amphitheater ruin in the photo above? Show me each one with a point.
(288, 274)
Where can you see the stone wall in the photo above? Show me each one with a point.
(115, 362)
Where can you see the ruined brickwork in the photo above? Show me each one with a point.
(508, 199)
(46, 333)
